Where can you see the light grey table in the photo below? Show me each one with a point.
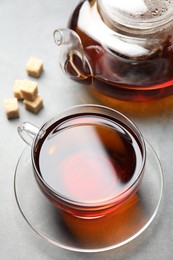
(26, 30)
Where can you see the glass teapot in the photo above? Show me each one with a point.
(124, 49)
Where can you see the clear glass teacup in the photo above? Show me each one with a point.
(87, 160)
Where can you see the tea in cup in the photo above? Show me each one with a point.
(87, 160)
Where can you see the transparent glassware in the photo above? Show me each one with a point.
(101, 234)
(114, 156)
(123, 51)
(80, 231)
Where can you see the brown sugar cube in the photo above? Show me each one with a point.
(17, 89)
(34, 67)
(11, 108)
(29, 90)
(34, 106)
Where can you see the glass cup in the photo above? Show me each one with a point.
(88, 160)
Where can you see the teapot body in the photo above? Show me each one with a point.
(125, 65)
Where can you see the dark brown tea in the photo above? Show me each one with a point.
(118, 69)
(88, 159)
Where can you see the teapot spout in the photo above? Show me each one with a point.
(72, 57)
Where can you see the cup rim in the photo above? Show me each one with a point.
(93, 204)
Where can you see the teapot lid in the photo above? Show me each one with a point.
(141, 14)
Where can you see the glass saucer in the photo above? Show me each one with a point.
(83, 235)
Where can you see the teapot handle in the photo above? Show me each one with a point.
(72, 57)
